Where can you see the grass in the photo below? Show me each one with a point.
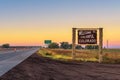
(53, 55)
(109, 55)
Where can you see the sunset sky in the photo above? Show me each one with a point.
(30, 22)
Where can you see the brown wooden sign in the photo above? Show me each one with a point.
(87, 36)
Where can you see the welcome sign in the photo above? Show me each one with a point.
(87, 36)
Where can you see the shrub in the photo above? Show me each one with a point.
(53, 45)
(5, 45)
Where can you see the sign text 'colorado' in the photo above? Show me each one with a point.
(87, 36)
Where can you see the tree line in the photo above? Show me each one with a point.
(6, 45)
(66, 45)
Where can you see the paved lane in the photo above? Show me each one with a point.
(12, 58)
(9, 54)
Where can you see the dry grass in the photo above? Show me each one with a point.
(109, 56)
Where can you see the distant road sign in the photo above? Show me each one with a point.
(47, 41)
(87, 36)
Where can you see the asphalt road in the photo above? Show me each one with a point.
(9, 59)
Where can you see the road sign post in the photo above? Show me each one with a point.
(73, 42)
(47, 42)
(100, 44)
(87, 36)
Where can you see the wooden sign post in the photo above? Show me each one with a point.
(100, 44)
(87, 36)
(73, 42)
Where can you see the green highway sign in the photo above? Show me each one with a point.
(47, 41)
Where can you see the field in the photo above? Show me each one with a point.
(109, 55)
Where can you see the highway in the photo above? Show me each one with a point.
(11, 58)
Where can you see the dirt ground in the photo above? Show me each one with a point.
(40, 68)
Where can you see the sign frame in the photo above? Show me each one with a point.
(100, 41)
